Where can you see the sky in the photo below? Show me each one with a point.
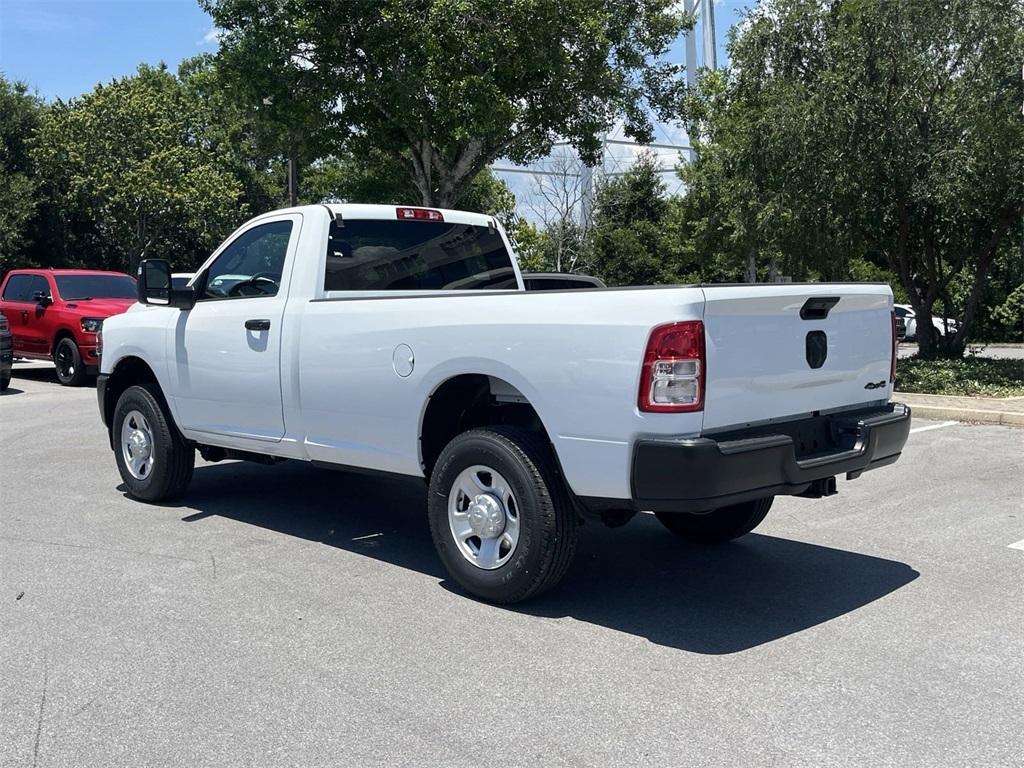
(63, 48)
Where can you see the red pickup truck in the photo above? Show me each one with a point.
(54, 314)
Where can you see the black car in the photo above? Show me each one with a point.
(6, 353)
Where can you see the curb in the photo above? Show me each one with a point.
(967, 415)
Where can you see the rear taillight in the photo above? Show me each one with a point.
(673, 375)
(419, 214)
(892, 365)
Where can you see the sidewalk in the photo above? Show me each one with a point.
(982, 410)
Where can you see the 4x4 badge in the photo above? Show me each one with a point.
(874, 385)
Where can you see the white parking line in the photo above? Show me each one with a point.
(1017, 545)
(934, 426)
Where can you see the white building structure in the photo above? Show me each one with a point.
(563, 180)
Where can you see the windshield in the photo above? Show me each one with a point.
(72, 287)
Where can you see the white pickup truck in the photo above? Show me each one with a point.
(402, 340)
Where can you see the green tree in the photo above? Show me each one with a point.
(1010, 314)
(631, 240)
(868, 130)
(231, 132)
(20, 113)
(446, 87)
(138, 172)
(375, 177)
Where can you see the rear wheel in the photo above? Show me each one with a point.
(722, 524)
(154, 459)
(500, 515)
(5, 381)
(68, 362)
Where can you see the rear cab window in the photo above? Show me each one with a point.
(395, 255)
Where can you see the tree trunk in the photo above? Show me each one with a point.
(927, 336)
(750, 273)
(958, 344)
(922, 294)
(440, 182)
(141, 244)
(293, 181)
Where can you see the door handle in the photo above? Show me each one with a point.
(257, 325)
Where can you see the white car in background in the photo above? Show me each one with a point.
(910, 318)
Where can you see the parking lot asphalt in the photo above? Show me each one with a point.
(289, 616)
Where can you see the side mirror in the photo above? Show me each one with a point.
(155, 287)
(42, 297)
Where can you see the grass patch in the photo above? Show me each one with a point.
(971, 376)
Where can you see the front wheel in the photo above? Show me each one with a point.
(500, 515)
(68, 362)
(5, 381)
(154, 459)
(722, 524)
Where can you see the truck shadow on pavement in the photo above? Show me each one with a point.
(45, 374)
(638, 579)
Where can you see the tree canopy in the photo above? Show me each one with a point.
(21, 113)
(869, 129)
(447, 87)
(143, 168)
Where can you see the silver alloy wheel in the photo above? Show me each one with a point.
(483, 516)
(137, 445)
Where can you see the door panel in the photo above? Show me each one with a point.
(228, 378)
(225, 352)
(27, 317)
(39, 319)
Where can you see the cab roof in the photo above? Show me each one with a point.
(59, 272)
(389, 212)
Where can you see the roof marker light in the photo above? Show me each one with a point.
(419, 214)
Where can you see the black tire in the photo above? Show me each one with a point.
(718, 525)
(5, 381)
(548, 526)
(174, 458)
(68, 362)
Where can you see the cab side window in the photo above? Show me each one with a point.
(251, 265)
(18, 288)
(23, 288)
(39, 285)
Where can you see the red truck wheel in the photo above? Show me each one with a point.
(68, 362)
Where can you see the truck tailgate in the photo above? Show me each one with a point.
(765, 345)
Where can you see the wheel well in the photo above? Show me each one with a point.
(128, 372)
(63, 333)
(467, 401)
